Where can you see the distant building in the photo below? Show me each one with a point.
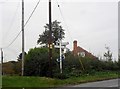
(77, 50)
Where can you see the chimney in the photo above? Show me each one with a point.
(75, 47)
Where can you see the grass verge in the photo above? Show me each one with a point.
(19, 81)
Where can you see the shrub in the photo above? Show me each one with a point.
(73, 67)
(37, 62)
(61, 76)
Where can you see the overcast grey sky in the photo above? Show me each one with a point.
(92, 23)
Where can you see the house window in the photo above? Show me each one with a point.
(82, 54)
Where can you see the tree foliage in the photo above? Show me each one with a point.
(108, 54)
(19, 58)
(57, 33)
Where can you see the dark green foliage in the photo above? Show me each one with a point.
(109, 65)
(61, 76)
(56, 30)
(19, 58)
(73, 65)
(37, 62)
(119, 61)
(99, 65)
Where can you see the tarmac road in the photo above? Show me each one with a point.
(106, 84)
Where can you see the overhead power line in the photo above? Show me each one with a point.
(63, 19)
(24, 26)
(12, 21)
(12, 41)
(32, 13)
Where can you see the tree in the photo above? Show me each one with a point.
(108, 54)
(19, 58)
(57, 33)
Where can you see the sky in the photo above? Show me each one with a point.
(119, 27)
(93, 23)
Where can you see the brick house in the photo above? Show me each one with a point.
(77, 50)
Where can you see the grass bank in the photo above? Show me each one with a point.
(19, 81)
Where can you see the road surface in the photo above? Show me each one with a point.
(106, 84)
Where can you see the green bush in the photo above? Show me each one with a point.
(71, 63)
(37, 62)
(61, 76)
(73, 67)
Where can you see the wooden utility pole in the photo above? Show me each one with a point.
(50, 40)
(23, 37)
(1, 61)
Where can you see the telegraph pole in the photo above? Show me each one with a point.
(22, 37)
(1, 61)
(50, 40)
